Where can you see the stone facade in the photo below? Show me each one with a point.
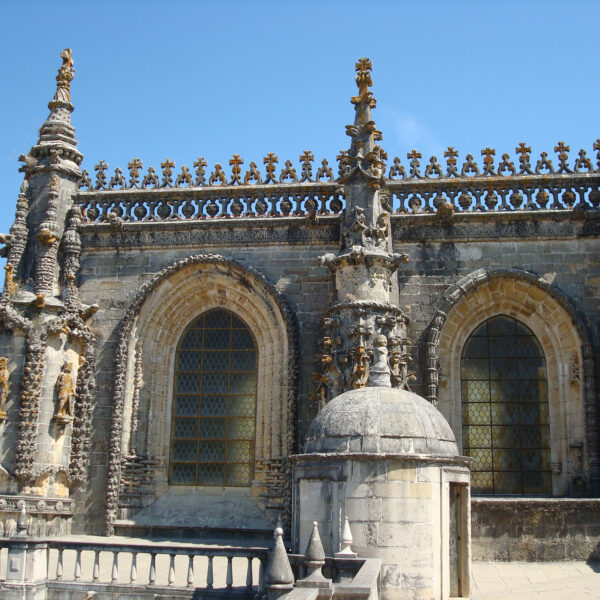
(105, 275)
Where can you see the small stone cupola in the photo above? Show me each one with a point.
(377, 454)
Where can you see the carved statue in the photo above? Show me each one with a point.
(4, 375)
(64, 77)
(360, 370)
(65, 389)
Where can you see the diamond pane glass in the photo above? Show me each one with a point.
(243, 361)
(186, 428)
(184, 450)
(214, 409)
(188, 383)
(211, 451)
(183, 473)
(189, 361)
(238, 474)
(505, 409)
(242, 406)
(242, 339)
(214, 406)
(186, 406)
(216, 361)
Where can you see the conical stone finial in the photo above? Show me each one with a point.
(314, 559)
(278, 576)
(346, 544)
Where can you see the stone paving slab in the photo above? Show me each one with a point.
(533, 581)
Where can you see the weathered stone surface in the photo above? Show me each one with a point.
(385, 420)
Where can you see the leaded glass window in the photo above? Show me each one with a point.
(505, 409)
(214, 403)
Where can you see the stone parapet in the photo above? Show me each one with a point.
(535, 529)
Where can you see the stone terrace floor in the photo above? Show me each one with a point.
(532, 581)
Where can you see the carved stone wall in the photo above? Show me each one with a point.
(155, 321)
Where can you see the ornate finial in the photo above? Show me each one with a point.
(364, 66)
(64, 77)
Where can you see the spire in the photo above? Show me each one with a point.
(364, 156)
(56, 150)
(364, 332)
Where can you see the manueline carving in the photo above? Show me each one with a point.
(4, 390)
(66, 73)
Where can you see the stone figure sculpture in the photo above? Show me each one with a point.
(4, 375)
(65, 390)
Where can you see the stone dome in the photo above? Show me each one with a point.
(380, 420)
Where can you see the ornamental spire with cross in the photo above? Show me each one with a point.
(364, 155)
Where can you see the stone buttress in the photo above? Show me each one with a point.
(48, 347)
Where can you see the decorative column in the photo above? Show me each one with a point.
(364, 316)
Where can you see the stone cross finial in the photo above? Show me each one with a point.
(134, 172)
(364, 67)
(66, 73)
(523, 150)
(236, 169)
(488, 160)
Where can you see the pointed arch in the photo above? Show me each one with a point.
(148, 338)
(564, 338)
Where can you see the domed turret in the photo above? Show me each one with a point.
(381, 420)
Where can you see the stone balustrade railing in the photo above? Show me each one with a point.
(72, 568)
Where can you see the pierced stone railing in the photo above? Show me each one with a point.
(429, 188)
(173, 204)
(496, 193)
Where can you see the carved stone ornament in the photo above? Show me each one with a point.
(4, 376)
(65, 392)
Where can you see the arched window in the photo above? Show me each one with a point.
(505, 409)
(214, 403)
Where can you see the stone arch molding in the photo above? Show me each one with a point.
(569, 360)
(138, 487)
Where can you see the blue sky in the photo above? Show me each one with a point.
(156, 80)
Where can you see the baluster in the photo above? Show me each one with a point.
(172, 569)
(115, 566)
(133, 572)
(152, 577)
(190, 577)
(209, 574)
(78, 565)
(96, 573)
(229, 579)
(59, 565)
(262, 589)
(249, 574)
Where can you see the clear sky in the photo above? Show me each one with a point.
(183, 79)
